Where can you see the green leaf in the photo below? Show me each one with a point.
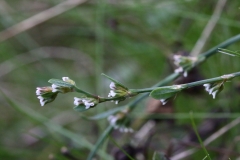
(164, 93)
(159, 156)
(117, 82)
(60, 83)
(107, 113)
(228, 52)
(80, 108)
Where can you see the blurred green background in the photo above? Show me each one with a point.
(130, 40)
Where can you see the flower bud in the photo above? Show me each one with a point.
(214, 88)
(119, 91)
(45, 95)
(183, 63)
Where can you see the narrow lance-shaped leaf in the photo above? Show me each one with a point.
(228, 52)
(60, 83)
(115, 81)
(165, 92)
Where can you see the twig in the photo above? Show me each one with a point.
(208, 140)
(208, 28)
(39, 18)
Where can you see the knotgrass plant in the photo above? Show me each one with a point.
(119, 119)
(129, 40)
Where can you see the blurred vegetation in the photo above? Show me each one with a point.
(130, 40)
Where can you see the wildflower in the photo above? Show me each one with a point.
(64, 88)
(86, 101)
(214, 88)
(45, 95)
(183, 63)
(117, 121)
(119, 91)
(164, 101)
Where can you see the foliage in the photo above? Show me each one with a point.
(130, 41)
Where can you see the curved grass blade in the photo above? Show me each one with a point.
(228, 52)
(99, 142)
(33, 115)
(117, 82)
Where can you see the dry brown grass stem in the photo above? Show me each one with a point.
(39, 18)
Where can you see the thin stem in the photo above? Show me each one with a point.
(84, 92)
(165, 81)
(199, 138)
(193, 84)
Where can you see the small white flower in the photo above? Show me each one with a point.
(185, 74)
(163, 101)
(112, 94)
(118, 91)
(77, 101)
(177, 59)
(42, 100)
(43, 90)
(214, 89)
(183, 63)
(55, 88)
(38, 91)
(65, 79)
(116, 121)
(207, 87)
(45, 95)
(214, 94)
(178, 70)
(112, 86)
(112, 120)
(88, 102)
(61, 89)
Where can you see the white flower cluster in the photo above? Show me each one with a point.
(48, 94)
(213, 89)
(114, 121)
(45, 95)
(117, 91)
(182, 62)
(88, 102)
